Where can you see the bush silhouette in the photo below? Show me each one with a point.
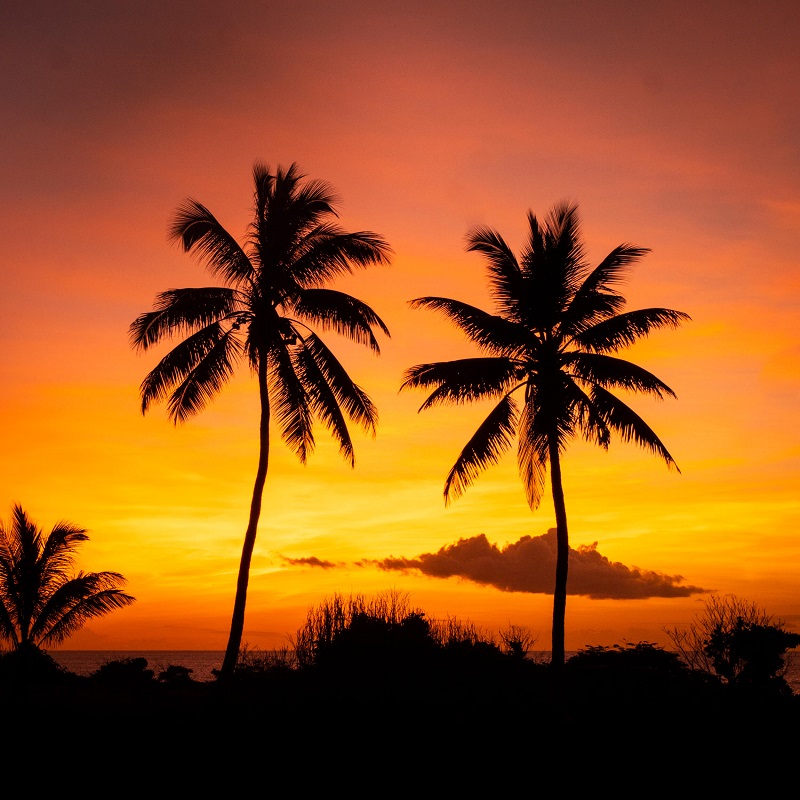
(30, 664)
(124, 673)
(751, 655)
(176, 675)
(738, 642)
(638, 656)
(378, 646)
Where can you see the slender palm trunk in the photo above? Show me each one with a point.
(240, 601)
(562, 559)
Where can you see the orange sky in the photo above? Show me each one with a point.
(676, 128)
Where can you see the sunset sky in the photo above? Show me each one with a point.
(673, 126)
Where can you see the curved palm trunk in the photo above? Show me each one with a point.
(562, 559)
(240, 601)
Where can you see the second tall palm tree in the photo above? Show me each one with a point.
(557, 323)
(273, 292)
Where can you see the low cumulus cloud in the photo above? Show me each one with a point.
(529, 565)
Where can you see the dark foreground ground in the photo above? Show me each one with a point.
(379, 730)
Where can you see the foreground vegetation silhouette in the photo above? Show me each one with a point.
(273, 293)
(737, 641)
(557, 324)
(42, 600)
(377, 682)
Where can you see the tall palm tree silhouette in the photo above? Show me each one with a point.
(558, 321)
(40, 602)
(273, 292)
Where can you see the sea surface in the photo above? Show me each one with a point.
(202, 663)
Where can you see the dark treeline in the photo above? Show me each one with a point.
(376, 681)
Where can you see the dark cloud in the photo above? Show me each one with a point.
(310, 561)
(529, 564)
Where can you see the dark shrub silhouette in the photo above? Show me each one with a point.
(517, 640)
(381, 650)
(630, 656)
(737, 641)
(333, 617)
(367, 633)
(372, 642)
(30, 664)
(625, 687)
(124, 673)
(751, 655)
(176, 675)
(642, 664)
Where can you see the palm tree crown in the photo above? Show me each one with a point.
(273, 292)
(549, 362)
(40, 603)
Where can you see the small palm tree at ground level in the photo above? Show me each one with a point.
(557, 323)
(40, 603)
(273, 293)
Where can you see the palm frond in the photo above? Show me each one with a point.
(552, 267)
(263, 185)
(613, 269)
(181, 311)
(562, 227)
(532, 454)
(292, 405)
(628, 424)
(323, 400)
(462, 380)
(23, 543)
(313, 201)
(579, 414)
(198, 230)
(493, 438)
(352, 398)
(327, 252)
(564, 253)
(84, 597)
(625, 329)
(490, 332)
(8, 623)
(58, 551)
(610, 372)
(287, 210)
(341, 312)
(203, 381)
(177, 366)
(505, 277)
(598, 298)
